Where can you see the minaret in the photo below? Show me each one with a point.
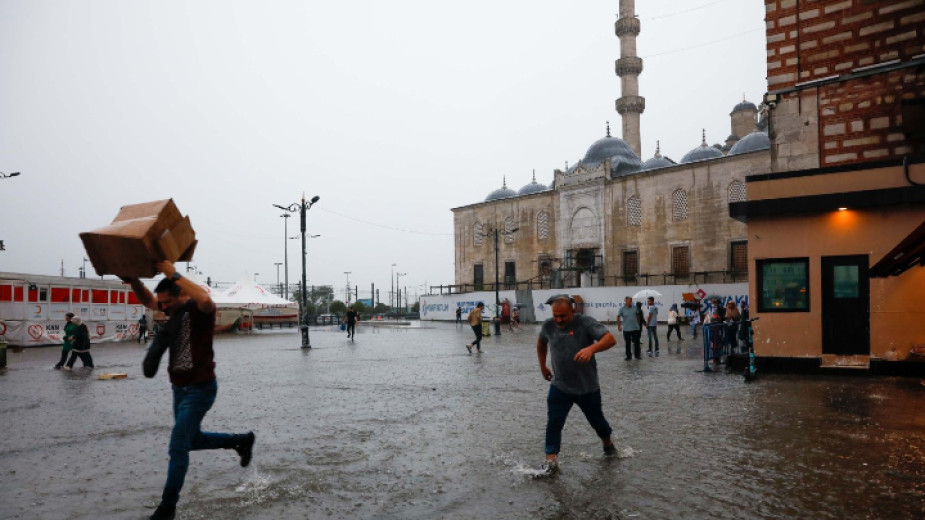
(628, 67)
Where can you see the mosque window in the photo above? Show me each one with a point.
(542, 225)
(681, 261)
(679, 205)
(633, 211)
(737, 191)
(477, 234)
(738, 256)
(478, 277)
(509, 226)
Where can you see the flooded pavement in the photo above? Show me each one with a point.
(402, 423)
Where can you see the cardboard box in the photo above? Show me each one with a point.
(140, 236)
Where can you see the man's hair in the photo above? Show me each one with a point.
(169, 286)
(70, 314)
(480, 304)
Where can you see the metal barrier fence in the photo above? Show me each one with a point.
(715, 344)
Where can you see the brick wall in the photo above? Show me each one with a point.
(857, 119)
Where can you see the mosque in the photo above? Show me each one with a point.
(612, 219)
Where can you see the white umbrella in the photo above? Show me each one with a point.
(646, 293)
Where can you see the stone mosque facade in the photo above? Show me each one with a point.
(614, 219)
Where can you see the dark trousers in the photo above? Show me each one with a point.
(64, 353)
(84, 356)
(190, 404)
(351, 329)
(477, 329)
(558, 404)
(676, 328)
(633, 337)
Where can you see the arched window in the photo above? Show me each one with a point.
(633, 211)
(477, 234)
(509, 226)
(679, 205)
(737, 191)
(542, 225)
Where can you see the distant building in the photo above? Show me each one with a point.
(614, 219)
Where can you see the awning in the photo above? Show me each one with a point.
(909, 253)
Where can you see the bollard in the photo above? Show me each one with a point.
(2, 353)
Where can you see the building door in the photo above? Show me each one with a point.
(845, 305)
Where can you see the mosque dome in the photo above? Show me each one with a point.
(622, 158)
(745, 105)
(751, 143)
(533, 187)
(657, 161)
(501, 193)
(704, 152)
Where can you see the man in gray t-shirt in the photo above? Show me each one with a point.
(571, 342)
(628, 323)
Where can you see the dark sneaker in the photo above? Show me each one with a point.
(469, 348)
(550, 467)
(164, 513)
(246, 448)
(610, 450)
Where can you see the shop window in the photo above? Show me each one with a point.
(783, 285)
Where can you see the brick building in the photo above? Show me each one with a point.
(837, 228)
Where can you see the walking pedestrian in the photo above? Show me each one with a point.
(652, 325)
(571, 342)
(143, 328)
(458, 313)
(70, 329)
(515, 319)
(629, 322)
(188, 337)
(693, 317)
(81, 345)
(351, 319)
(673, 323)
(732, 325)
(475, 321)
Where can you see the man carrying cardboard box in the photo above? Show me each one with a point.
(188, 337)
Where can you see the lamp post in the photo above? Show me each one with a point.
(8, 175)
(296, 237)
(347, 292)
(392, 292)
(398, 289)
(496, 232)
(285, 252)
(302, 207)
(278, 287)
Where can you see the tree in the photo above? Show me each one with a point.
(337, 307)
(319, 297)
(416, 308)
(381, 308)
(360, 307)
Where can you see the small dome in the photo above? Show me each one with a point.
(533, 187)
(657, 161)
(704, 152)
(751, 143)
(732, 137)
(501, 193)
(745, 105)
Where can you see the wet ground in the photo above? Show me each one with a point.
(403, 424)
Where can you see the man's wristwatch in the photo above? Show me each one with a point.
(176, 276)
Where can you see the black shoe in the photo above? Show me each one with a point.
(164, 513)
(246, 448)
(610, 450)
(628, 358)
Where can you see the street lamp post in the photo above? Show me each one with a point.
(392, 292)
(496, 232)
(8, 175)
(278, 286)
(302, 207)
(398, 289)
(347, 292)
(255, 277)
(286, 251)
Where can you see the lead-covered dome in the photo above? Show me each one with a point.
(657, 161)
(533, 187)
(623, 159)
(745, 105)
(752, 142)
(704, 152)
(501, 193)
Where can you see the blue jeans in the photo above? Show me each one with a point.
(558, 404)
(652, 334)
(190, 404)
(694, 330)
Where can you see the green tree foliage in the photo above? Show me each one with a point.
(319, 297)
(337, 307)
(381, 308)
(360, 307)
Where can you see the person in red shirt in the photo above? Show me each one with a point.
(188, 337)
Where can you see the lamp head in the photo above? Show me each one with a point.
(315, 199)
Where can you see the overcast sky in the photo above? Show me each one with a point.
(392, 112)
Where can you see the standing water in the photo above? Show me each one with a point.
(402, 423)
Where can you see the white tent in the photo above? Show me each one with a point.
(250, 295)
